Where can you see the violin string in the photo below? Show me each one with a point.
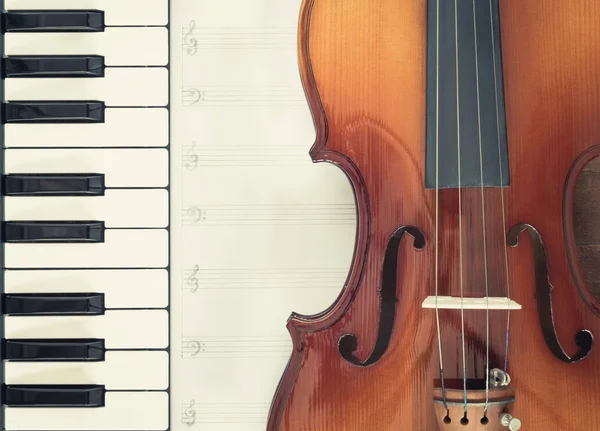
(462, 308)
(437, 107)
(501, 193)
(487, 293)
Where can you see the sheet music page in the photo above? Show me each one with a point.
(258, 229)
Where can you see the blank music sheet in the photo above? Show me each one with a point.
(258, 229)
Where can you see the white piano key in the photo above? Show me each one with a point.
(122, 288)
(122, 248)
(121, 329)
(121, 208)
(139, 167)
(121, 370)
(130, 127)
(124, 411)
(116, 12)
(140, 86)
(137, 46)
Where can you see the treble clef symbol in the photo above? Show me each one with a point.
(189, 414)
(189, 41)
(192, 280)
(191, 160)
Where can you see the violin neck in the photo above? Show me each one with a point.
(465, 96)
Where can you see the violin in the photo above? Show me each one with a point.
(463, 127)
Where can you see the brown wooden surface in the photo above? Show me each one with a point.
(363, 64)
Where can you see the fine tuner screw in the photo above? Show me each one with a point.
(513, 424)
(498, 378)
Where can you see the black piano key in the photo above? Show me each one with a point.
(52, 304)
(53, 112)
(44, 350)
(54, 66)
(53, 185)
(54, 20)
(54, 395)
(53, 232)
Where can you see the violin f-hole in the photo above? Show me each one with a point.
(584, 338)
(348, 343)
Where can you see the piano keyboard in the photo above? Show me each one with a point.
(85, 288)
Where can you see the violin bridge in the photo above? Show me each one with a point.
(457, 303)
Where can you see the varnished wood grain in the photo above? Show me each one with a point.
(363, 67)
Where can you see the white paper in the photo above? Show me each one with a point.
(258, 230)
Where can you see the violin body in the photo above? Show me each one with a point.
(371, 361)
